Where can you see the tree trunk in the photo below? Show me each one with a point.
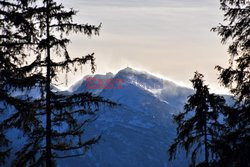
(48, 109)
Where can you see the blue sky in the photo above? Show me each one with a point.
(167, 37)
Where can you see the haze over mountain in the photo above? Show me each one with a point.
(161, 89)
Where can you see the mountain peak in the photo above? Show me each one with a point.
(132, 77)
(109, 74)
(133, 71)
(128, 70)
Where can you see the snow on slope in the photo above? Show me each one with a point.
(81, 85)
(138, 133)
(164, 90)
(135, 134)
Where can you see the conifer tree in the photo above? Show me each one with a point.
(234, 146)
(53, 123)
(198, 123)
(15, 31)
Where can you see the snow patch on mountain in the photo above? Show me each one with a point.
(139, 131)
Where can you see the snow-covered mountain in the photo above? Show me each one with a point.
(164, 90)
(137, 133)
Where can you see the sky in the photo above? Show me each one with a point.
(169, 38)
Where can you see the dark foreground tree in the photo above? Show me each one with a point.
(197, 125)
(15, 32)
(52, 122)
(236, 32)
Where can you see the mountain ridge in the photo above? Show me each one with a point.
(139, 131)
(127, 70)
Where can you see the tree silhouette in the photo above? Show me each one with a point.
(198, 123)
(15, 32)
(52, 123)
(236, 77)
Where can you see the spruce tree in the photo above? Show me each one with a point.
(235, 31)
(198, 123)
(15, 31)
(53, 123)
